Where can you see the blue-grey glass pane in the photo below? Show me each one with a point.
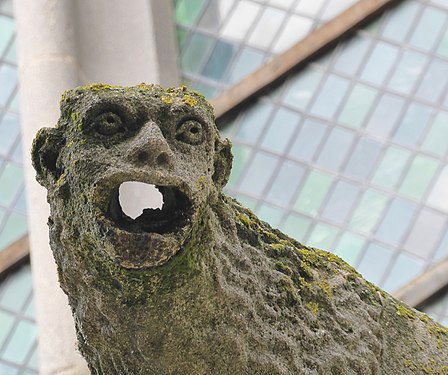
(9, 131)
(267, 28)
(425, 233)
(400, 21)
(34, 360)
(11, 178)
(270, 214)
(195, 53)
(385, 115)
(219, 61)
(405, 268)
(257, 176)
(296, 226)
(335, 149)
(442, 249)
(396, 221)
(380, 63)
(330, 96)
(438, 196)
(407, 71)
(357, 106)
(248, 61)
(413, 123)
(391, 167)
(281, 130)
(374, 262)
(23, 339)
(6, 32)
(215, 14)
(295, 29)
(349, 247)
(436, 139)
(253, 122)
(285, 183)
(434, 81)
(363, 159)
(323, 236)
(302, 88)
(20, 204)
(6, 322)
(17, 152)
(241, 156)
(8, 369)
(8, 81)
(351, 55)
(17, 290)
(187, 12)
(308, 140)
(340, 203)
(241, 20)
(428, 29)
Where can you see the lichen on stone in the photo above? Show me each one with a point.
(201, 286)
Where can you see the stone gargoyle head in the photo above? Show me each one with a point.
(110, 135)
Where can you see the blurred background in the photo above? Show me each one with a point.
(347, 151)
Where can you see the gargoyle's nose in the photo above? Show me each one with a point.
(150, 147)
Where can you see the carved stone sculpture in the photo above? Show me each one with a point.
(201, 286)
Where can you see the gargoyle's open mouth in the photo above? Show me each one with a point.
(175, 213)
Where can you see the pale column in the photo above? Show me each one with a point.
(63, 44)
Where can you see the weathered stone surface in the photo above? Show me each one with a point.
(203, 286)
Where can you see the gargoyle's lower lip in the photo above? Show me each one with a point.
(176, 213)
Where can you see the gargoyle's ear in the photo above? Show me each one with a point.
(223, 162)
(44, 155)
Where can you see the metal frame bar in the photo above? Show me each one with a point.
(297, 55)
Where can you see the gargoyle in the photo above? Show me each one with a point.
(201, 286)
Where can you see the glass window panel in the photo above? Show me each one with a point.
(34, 360)
(357, 106)
(215, 13)
(270, 214)
(253, 122)
(302, 88)
(30, 310)
(350, 247)
(391, 167)
(220, 59)
(442, 49)
(286, 4)
(368, 211)
(247, 201)
(442, 249)
(285, 183)
(10, 180)
(434, 81)
(241, 155)
(436, 139)
(334, 8)
(351, 55)
(400, 21)
(296, 226)
(420, 174)
(6, 322)
(267, 28)
(385, 115)
(407, 71)
(413, 123)
(17, 290)
(374, 262)
(11, 53)
(442, 3)
(8, 81)
(405, 268)
(17, 154)
(296, 28)
(396, 221)
(313, 192)
(7, 31)
(323, 236)
(335, 149)
(8, 369)
(438, 197)
(340, 203)
(330, 97)
(380, 63)
(309, 7)
(425, 233)
(428, 28)
(20, 204)
(280, 130)
(9, 131)
(197, 50)
(187, 11)
(241, 20)
(181, 35)
(258, 174)
(15, 103)
(248, 61)
(23, 339)
(308, 140)
(363, 158)
(15, 227)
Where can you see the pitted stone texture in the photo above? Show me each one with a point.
(204, 286)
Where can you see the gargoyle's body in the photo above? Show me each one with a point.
(202, 287)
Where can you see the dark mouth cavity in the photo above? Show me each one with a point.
(172, 217)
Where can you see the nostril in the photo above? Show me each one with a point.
(143, 157)
(163, 159)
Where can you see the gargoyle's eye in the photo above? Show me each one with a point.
(108, 123)
(191, 132)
